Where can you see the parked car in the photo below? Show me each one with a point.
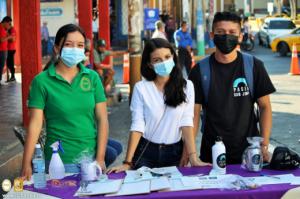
(284, 44)
(274, 27)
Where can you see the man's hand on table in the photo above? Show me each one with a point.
(265, 153)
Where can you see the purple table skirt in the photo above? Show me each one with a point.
(265, 191)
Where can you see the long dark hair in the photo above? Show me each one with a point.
(61, 35)
(174, 89)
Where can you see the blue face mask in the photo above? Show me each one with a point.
(72, 56)
(164, 68)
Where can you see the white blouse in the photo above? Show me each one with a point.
(147, 107)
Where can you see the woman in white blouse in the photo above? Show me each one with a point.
(162, 110)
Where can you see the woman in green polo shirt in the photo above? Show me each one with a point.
(71, 99)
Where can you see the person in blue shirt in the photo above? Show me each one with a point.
(183, 42)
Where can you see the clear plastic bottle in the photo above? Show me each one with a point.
(219, 156)
(38, 162)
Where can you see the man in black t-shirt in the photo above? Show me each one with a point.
(230, 106)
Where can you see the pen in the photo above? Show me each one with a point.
(266, 175)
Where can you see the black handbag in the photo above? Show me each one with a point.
(284, 159)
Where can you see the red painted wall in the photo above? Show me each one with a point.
(85, 20)
(16, 23)
(30, 38)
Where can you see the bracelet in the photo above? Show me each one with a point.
(265, 146)
(192, 153)
(128, 163)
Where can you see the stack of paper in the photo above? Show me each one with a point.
(100, 188)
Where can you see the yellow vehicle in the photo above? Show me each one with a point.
(284, 44)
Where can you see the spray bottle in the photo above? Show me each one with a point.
(56, 166)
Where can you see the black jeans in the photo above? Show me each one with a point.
(157, 155)
(3, 55)
(10, 62)
(185, 59)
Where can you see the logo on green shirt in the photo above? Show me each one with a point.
(85, 84)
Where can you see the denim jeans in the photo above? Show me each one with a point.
(113, 149)
(157, 155)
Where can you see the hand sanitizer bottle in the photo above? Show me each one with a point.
(56, 166)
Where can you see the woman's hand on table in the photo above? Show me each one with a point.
(102, 165)
(118, 169)
(195, 161)
(26, 172)
(184, 158)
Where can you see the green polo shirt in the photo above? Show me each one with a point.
(69, 110)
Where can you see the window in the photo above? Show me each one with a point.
(282, 25)
(297, 31)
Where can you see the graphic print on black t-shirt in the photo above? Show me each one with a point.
(240, 87)
(230, 106)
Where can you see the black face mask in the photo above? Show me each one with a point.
(226, 43)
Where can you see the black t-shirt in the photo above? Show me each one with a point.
(230, 107)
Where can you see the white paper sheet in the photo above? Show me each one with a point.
(172, 172)
(161, 183)
(133, 188)
(295, 181)
(273, 179)
(228, 181)
(136, 176)
(100, 188)
(206, 182)
(145, 173)
(177, 185)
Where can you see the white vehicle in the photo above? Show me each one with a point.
(274, 27)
